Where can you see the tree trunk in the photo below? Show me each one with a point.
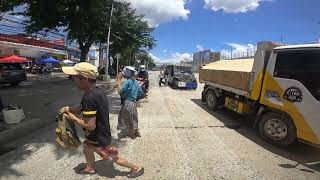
(84, 51)
(83, 56)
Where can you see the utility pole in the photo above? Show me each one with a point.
(231, 52)
(108, 44)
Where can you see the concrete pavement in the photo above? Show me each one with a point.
(40, 97)
(181, 139)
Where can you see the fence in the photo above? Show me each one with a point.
(238, 55)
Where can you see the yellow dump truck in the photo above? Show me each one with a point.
(280, 86)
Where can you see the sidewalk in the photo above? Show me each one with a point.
(55, 76)
(109, 86)
(9, 133)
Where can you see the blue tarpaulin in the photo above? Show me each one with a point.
(49, 60)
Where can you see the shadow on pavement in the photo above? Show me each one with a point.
(19, 150)
(300, 153)
(103, 168)
(114, 103)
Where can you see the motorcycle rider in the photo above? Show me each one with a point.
(162, 76)
(143, 74)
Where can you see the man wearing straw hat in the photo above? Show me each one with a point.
(95, 120)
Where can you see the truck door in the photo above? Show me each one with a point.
(292, 85)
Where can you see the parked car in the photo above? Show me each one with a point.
(12, 73)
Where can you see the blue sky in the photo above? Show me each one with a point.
(184, 26)
(224, 24)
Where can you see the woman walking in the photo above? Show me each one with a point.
(129, 91)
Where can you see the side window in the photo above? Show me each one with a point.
(303, 66)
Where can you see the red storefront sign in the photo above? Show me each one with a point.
(58, 42)
(21, 39)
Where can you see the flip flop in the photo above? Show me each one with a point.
(135, 174)
(82, 171)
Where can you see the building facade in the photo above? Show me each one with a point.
(204, 57)
(30, 48)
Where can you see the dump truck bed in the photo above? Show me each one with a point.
(231, 73)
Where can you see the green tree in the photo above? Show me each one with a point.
(131, 35)
(145, 58)
(84, 21)
(87, 22)
(8, 5)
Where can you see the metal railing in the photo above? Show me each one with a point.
(238, 55)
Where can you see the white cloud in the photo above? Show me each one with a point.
(200, 47)
(233, 6)
(182, 56)
(240, 47)
(174, 58)
(165, 51)
(238, 50)
(155, 58)
(160, 11)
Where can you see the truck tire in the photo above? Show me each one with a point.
(212, 100)
(175, 84)
(277, 129)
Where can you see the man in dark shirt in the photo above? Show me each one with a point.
(95, 120)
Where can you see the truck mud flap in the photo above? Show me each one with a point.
(203, 96)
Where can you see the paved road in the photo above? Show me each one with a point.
(40, 94)
(180, 140)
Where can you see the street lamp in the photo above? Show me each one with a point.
(108, 44)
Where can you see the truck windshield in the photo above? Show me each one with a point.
(183, 69)
(302, 65)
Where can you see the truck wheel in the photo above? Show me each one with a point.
(212, 100)
(175, 84)
(277, 129)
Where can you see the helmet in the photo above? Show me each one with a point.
(142, 67)
(128, 71)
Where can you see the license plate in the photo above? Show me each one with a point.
(182, 84)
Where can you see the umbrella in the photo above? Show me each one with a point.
(14, 59)
(49, 60)
(67, 62)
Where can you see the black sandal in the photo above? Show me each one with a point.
(135, 174)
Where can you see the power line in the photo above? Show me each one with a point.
(24, 24)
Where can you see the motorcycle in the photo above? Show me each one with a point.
(36, 70)
(142, 83)
(163, 80)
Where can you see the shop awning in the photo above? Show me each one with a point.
(68, 62)
(49, 60)
(14, 59)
